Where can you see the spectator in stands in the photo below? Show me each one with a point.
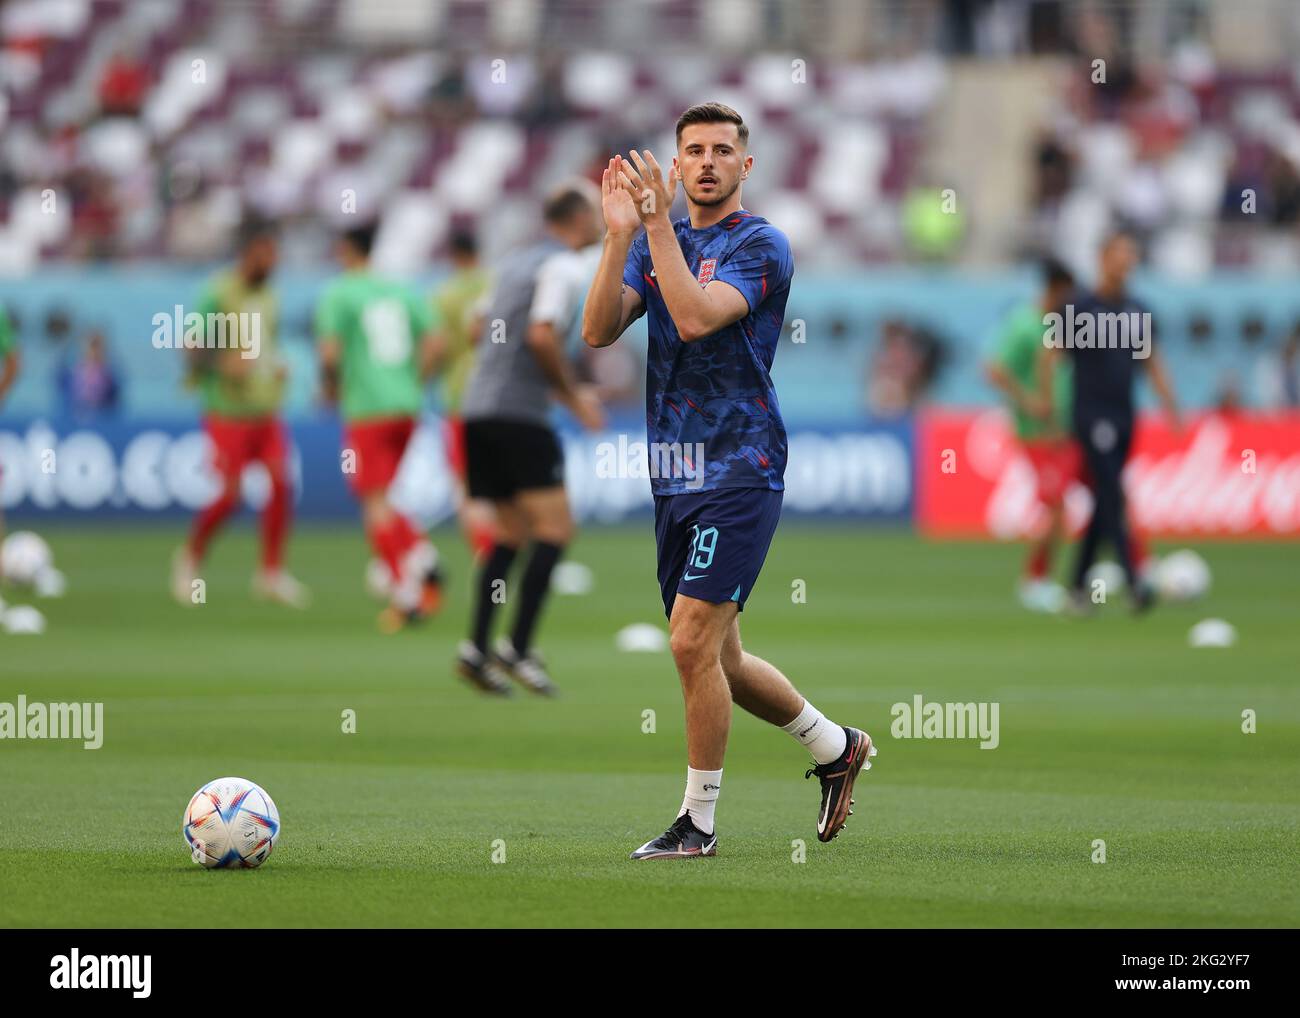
(1227, 397)
(933, 223)
(450, 101)
(1054, 171)
(94, 215)
(1284, 191)
(123, 85)
(546, 104)
(903, 366)
(58, 324)
(88, 384)
(1285, 375)
(199, 227)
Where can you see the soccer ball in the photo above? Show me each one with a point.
(572, 578)
(231, 822)
(1183, 576)
(22, 619)
(24, 557)
(50, 583)
(1212, 633)
(1111, 576)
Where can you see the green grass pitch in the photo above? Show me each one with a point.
(1111, 729)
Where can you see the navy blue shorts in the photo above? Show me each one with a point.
(712, 543)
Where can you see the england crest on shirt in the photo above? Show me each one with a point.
(707, 268)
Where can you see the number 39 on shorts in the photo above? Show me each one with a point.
(703, 544)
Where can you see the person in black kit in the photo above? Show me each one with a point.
(1107, 334)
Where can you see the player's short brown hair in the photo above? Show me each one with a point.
(252, 230)
(361, 238)
(713, 113)
(567, 200)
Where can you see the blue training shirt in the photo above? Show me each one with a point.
(716, 393)
(1104, 377)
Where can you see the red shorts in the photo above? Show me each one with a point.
(1057, 464)
(238, 441)
(378, 446)
(453, 440)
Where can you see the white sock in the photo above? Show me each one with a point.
(702, 788)
(824, 739)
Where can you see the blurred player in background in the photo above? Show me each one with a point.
(242, 397)
(9, 364)
(562, 284)
(9, 361)
(456, 306)
(1047, 441)
(375, 343)
(715, 285)
(1103, 415)
(515, 459)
